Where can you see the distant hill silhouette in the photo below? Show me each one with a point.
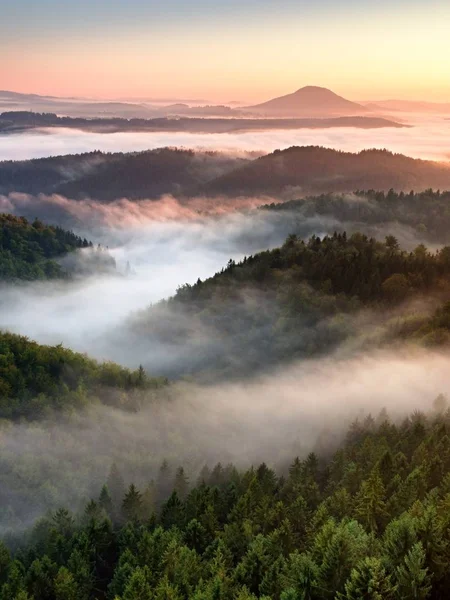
(313, 169)
(309, 101)
(19, 121)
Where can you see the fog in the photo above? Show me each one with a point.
(306, 407)
(157, 246)
(162, 253)
(276, 413)
(426, 139)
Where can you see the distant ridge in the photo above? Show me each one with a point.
(309, 101)
(301, 170)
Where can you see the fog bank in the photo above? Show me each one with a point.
(427, 139)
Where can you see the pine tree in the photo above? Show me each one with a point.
(65, 586)
(116, 488)
(369, 581)
(172, 512)
(164, 483)
(105, 501)
(370, 506)
(412, 576)
(132, 504)
(5, 561)
(138, 587)
(181, 483)
(149, 501)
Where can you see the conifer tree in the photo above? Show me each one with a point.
(412, 575)
(132, 504)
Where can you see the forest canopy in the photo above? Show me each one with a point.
(369, 521)
(37, 381)
(300, 300)
(29, 251)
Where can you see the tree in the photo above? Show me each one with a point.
(138, 587)
(132, 504)
(370, 506)
(105, 501)
(172, 512)
(5, 561)
(370, 581)
(412, 576)
(116, 487)
(395, 287)
(65, 586)
(181, 483)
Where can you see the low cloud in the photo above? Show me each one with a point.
(306, 407)
(426, 139)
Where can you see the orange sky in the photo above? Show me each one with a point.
(395, 50)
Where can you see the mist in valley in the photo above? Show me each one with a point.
(426, 138)
(305, 407)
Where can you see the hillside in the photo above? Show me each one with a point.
(283, 173)
(427, 213)
(301, 300)
(316, 170)
(29, 251)
(367, 520)
(309, 101)
(36, 380)
(106, 177)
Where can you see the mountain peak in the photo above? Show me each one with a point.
(311, 101)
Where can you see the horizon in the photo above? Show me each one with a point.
(205, 101)
(248, 52)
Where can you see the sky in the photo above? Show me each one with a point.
(242, 50)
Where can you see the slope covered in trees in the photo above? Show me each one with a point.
(313, 169)
(29, 250)
(301, 300)
(369, 521)
(107, 177)
(37, 381)
(150, 174)
(427, 213)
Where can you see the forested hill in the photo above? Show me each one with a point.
(301, 300)
(39, 381)
(316, 170)
(371, 522)
(427, 213)
(106, 176)
(29, 251)
(288, 173)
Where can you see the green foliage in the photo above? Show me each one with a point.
(257, 534)
(28, 250)
(36, 380)
(304, 299)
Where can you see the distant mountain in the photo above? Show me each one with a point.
(75, 107)
(309, 101)
(312, 169)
